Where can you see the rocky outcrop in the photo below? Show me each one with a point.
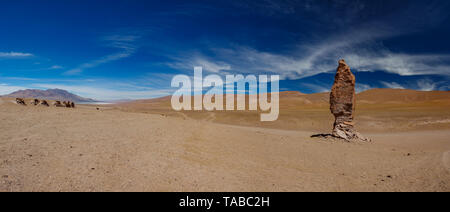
(20, 101)
(69, 104)
(35, 102)
(342, 104)
(58, 104)
(45, 103)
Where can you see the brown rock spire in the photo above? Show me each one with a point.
(342, 104)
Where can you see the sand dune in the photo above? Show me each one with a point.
(144, 146)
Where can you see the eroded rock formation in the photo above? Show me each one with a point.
(44, 103)
(58, 104)
(20, 101)
(35, 102)
(342, 104)
(69, 104)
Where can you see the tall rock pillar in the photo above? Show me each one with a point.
(342, 104)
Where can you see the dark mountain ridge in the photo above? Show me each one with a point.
(49, 94)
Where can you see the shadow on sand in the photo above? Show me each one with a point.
(322, 135)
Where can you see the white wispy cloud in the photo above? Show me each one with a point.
(7, 89)
(55, 67)
(124, 43)
(356, 41)
(15, 55)
(308, 59)
(188, 63)
(359, 49)
(426, 85)
(95, 63)
(392, 85)
(402, 64)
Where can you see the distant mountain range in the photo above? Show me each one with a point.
(50, 94)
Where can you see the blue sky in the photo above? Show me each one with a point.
(131, 49)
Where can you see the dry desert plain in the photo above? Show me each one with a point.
(146, 146)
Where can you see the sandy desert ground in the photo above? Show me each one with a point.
(145, 146)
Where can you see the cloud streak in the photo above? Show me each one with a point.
(55, 67)
(426, 85)
(392, 85)
(187, 63)
(124, 43)
(358, 42)
(15, 55)
(359, 48)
